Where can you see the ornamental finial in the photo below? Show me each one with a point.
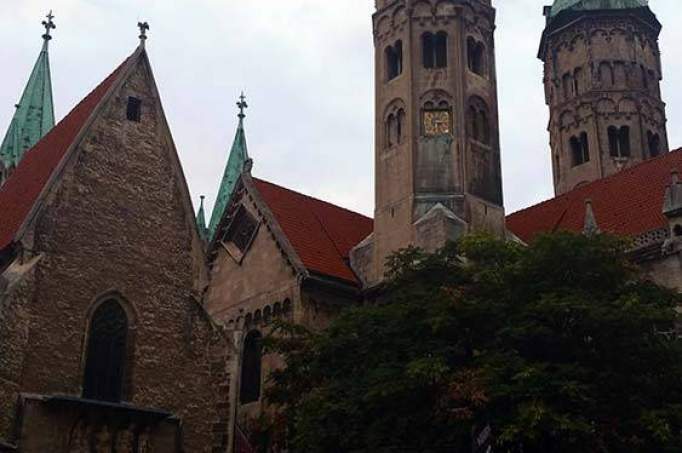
(144, 27)
(49, 25)
(242, 106)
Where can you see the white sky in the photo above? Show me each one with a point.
(307, 69)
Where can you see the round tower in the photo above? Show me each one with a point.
(437, 148)
(602, 73)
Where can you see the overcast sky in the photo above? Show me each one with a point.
(307, 69)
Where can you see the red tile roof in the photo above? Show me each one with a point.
(628, 203)
(21, 191)
(321, 233)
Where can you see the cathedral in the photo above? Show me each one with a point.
(129, 323)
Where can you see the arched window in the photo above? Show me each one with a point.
(577, 81)
(645, 78)
(251, 368)
(472, 122)
(478, 122)
(391, 130)
(566, 83)
(654, 141)
(434, 50)
(606, 75)
(394, 60)
(475, 56)
(106, 353)
(580, 149)
(400, 125)
(624, 141)
(483, 127)
(619, 141)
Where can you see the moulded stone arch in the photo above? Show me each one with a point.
(445, 8)
(606, 105)
(383, 26)
(436, 97)
(393, 107)
(422, 10)
(399, 17)
(567, 118)
(627, 105)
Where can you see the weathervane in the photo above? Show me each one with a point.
(49, 25)
(242, 106)
(144, 27)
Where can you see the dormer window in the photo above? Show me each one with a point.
(134, 110)
(240, 234)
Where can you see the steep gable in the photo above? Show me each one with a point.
(628, 203)
(321, 233)
(22, 190)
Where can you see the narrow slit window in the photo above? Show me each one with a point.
(134, 111)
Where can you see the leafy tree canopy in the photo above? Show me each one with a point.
(561, 346)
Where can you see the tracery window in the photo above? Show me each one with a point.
(106, 352)
(250, 388)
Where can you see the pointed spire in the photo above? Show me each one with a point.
(237, 162)
(34, 115)
(590, 227)
(201, 221)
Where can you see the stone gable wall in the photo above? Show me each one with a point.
(118, 224)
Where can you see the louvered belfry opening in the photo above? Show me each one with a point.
(106, 353)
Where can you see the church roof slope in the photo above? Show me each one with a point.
(21, 191)
(322, 234)
(628, 203)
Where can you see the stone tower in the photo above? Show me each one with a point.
(602, 85)
(437, 141)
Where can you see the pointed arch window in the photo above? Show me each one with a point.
(106, 352)
(250, 389)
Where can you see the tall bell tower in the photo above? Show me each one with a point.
(602, 85)
(437, 152)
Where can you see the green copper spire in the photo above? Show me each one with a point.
(34, 115)
(235, 165)
(201, 221)
(582, 5)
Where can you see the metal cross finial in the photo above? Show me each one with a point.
(49, 25)
(242, 106)
(144, 27)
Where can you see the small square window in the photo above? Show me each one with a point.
(134, 112)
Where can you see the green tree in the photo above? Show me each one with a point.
(561, 346)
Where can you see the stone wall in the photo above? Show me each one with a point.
(119, 224)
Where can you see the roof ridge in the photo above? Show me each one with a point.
(599, 181)
(313, 198)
